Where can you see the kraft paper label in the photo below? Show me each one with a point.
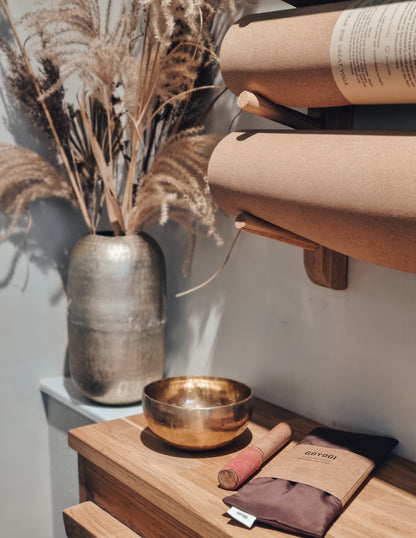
(373, 52)
(334, 470)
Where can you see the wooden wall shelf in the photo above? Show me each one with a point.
(349, 192)
(323, 266)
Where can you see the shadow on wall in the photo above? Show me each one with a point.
(193, 320)
(204, 328)
(47, 242)
(48, 230)
(197, 322)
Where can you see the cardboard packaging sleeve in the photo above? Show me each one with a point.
(354, 192)
(328, 55)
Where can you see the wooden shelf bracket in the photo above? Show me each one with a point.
(324, 266)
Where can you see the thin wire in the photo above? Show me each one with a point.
(233, 121)
(210, 279)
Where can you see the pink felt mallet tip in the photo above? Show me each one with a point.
(249, 460)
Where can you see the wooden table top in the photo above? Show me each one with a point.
(184, 484)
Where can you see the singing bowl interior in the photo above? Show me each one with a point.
(197, 412)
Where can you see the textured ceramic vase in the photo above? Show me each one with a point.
(116, 316)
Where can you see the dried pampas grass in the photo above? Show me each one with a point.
(176, 185)
(145, 70)
(27, 177)
(176, 188)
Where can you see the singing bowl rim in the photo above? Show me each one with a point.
(167, 380)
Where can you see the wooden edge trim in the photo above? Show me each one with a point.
(81, 479)
(255, 104)
(248, 223)
(309, 3)
(89, 520)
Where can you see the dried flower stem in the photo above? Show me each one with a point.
(67, 165)
(175, 98)
(217, 272)
(114, 212)
(137, 135)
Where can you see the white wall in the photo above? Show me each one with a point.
(33, 344)
(345, 358)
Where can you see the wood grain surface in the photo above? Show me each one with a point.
(87, 520)
(160, 491)
(249, 223)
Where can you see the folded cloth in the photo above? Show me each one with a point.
(298, 507)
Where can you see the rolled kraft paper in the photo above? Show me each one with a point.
(327, 55)
(251, 459)
(354, 193)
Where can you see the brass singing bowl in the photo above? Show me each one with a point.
(197, 412)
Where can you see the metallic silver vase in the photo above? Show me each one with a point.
(116, 316)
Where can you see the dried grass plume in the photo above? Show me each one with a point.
(131, 144)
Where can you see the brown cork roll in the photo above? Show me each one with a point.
(354, 193)
(359, 52)
(284, 56)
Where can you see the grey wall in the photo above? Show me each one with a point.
(345, 358)
(33, 346)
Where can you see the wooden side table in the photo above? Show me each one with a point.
(156, 490)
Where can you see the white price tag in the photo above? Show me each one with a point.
(244, 518)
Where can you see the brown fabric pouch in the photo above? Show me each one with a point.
(300, 508)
